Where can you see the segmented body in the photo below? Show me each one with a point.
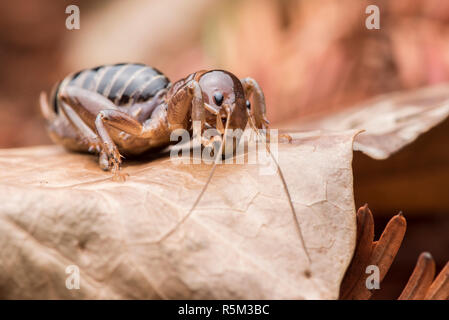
(123, 84)
(131, 108)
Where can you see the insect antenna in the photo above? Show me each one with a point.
(284, 184)
(281, 176)
(212, 171)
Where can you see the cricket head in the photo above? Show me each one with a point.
(225, 104)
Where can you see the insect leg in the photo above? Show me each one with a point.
(258, 108)
(91, 138)
(86, 104)
(187, 98)
(125, 123)
(63, 130)
(86, 110)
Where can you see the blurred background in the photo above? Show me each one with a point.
(310, 57)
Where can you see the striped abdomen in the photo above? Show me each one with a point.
(124, 84)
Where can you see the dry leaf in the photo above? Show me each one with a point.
(409, 130)
(362, 252)
(413, 180)
(391, 121)
(59, 209)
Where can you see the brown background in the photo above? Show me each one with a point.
(310, 57)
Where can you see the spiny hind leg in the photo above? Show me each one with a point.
(63, 131)
(95, 111)
(121, 121)
(82, 108)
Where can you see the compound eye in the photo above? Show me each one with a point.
(248, 104)
(218, 97)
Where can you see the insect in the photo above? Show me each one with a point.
(129, 109)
